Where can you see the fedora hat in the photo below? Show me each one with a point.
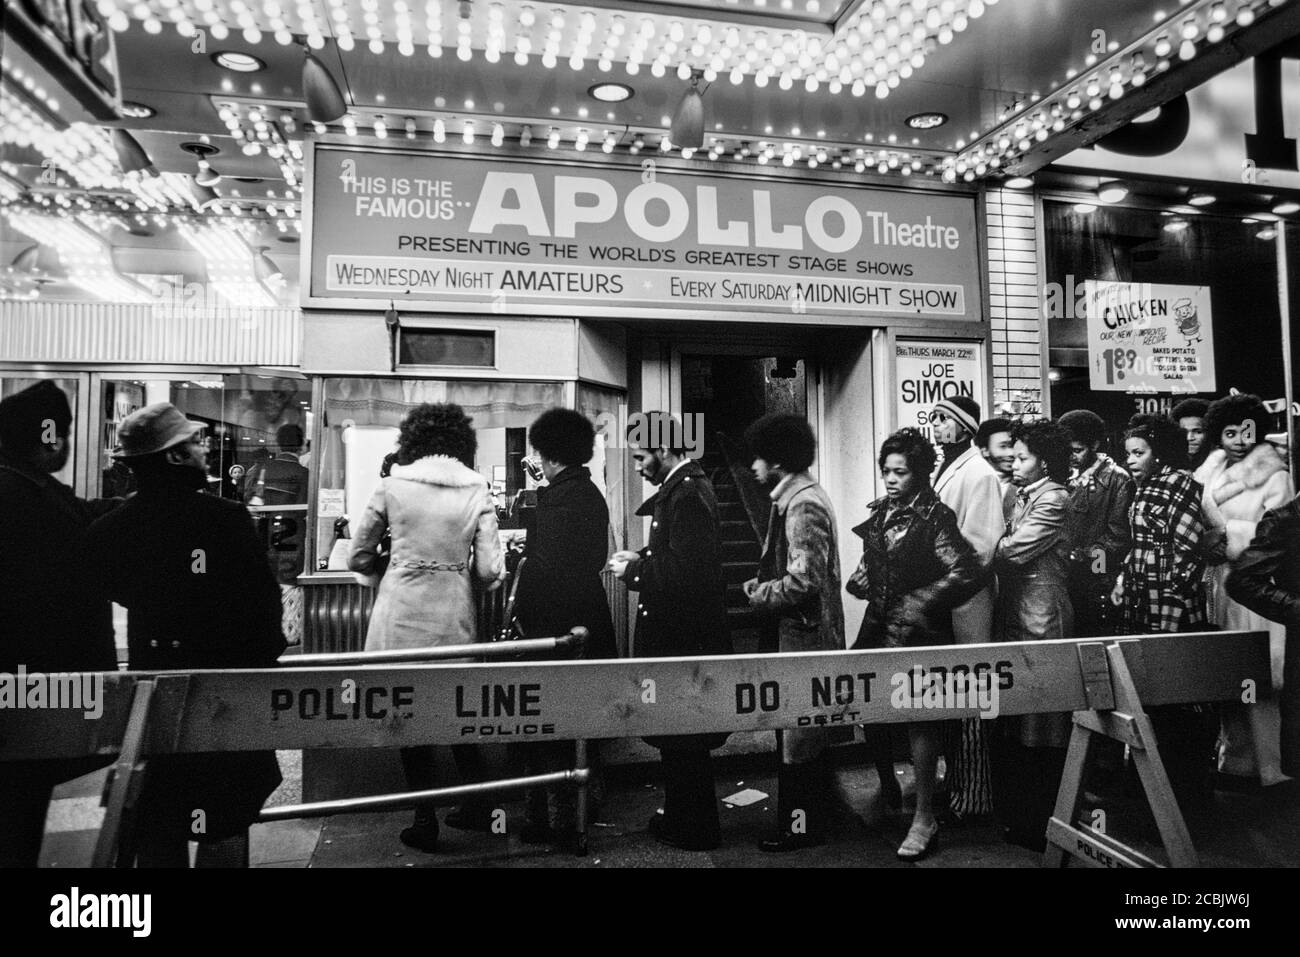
(152, 429)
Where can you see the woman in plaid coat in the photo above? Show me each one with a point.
(1161, 589)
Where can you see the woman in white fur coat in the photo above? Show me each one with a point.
(444, 535)
(1242, 478)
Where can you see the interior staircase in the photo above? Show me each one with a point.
(741, 541)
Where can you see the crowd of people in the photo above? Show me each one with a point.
(998, 530)
(1007, 531)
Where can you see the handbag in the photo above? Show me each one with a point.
(511, 629)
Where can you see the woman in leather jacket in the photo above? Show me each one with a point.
(1032, 562)
(915, 568)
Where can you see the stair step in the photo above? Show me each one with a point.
(733, 512)
(736, 597)
(741, 620)
(738, 572)
(737, 551)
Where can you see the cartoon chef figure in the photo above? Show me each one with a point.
(1188, 322)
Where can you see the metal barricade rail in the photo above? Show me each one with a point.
(576, 778)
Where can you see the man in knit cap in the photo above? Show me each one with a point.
(49, 621)
(968, 485)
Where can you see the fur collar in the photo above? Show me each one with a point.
(438, 470)
(1226, 481)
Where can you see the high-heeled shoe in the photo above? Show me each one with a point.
(920, 841)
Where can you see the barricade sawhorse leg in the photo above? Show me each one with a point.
(1117, 713)
(114, 846)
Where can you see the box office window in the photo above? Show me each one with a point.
(359, 426)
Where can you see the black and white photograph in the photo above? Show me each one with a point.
(757, 439)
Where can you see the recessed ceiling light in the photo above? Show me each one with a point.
(136, 111)
(1085, 208)
(1019, 182)
(1112, 192)
(1287, 207)
(1201, 199)
(1175, 225)
(239, 62)
(1268, 232)
(926, 121)
(610, 92)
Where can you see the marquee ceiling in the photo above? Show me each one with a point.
(956, 91)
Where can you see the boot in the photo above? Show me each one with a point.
(537, 827)
(800, 787)
(690, 818)
(423, 832)
(880, 747)
(471, 816)
(476, 813)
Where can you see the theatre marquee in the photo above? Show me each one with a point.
(467, 234)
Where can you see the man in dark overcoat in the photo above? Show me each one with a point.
(682, 611)
(50, 620)
(199, 594)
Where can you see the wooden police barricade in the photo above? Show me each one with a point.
(398, 704)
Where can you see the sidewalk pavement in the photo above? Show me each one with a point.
(1251, 829)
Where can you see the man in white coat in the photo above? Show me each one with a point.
(967, 484)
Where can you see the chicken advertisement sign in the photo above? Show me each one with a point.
(1149, 337)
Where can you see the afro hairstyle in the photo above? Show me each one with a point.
(564, 436)
(783, 439)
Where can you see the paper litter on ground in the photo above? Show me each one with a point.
(744, 798)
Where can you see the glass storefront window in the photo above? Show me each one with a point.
(257, 440)
(1134, 245)
(257, 437)
(10, 384)
(359, 427)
